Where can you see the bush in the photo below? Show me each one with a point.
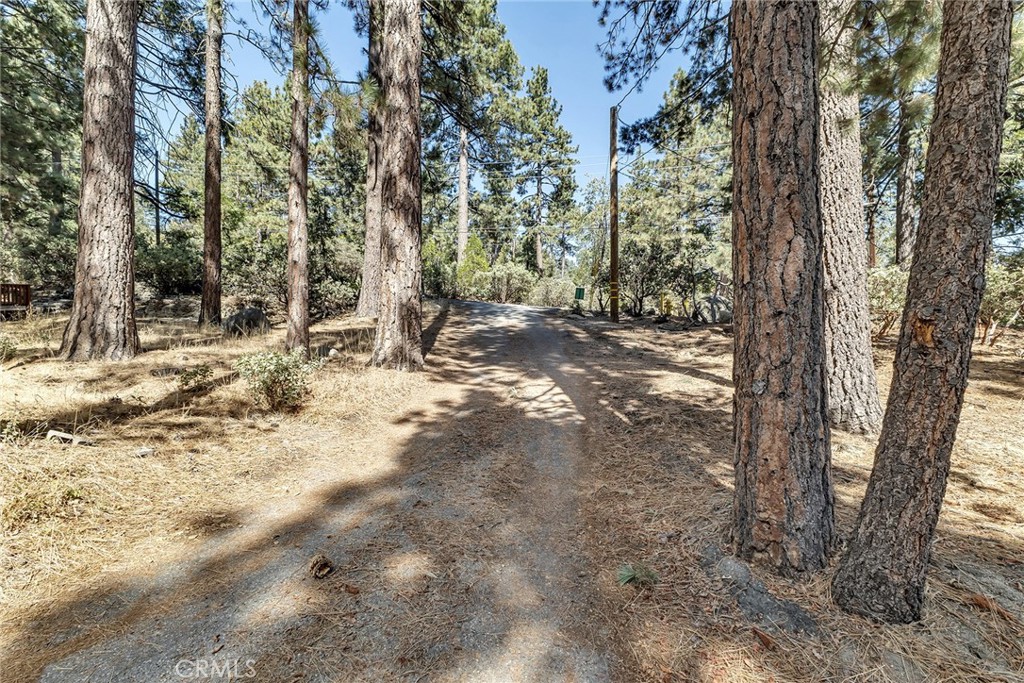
(193, 378)
(506, 283)
(887, 292)
(174, 267)
(278, 380)
(553, 291)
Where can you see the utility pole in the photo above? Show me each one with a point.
(613, 210)
(156, 196)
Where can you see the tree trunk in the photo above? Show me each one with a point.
(906, 173)
(102, 324)
(209, 309)
(853, 403)
(463, 236)
(538, 242)
(883, 572)
(398, 343)
(57, 208)
(298, 171)
(783, 505)
(872, 211)
(368, 305)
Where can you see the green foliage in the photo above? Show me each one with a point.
(887, 292)
(255, 192)
(1004, 294)
(7, 348)
(552, 291)
(472, 269)
(40, 97)
(438, 267)
(173, 267)
(647, 266)
(506, 283)
(195, 377)
(278, 380)
(637, 574)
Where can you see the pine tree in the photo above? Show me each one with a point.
(102, 323)
(399, 324)
(882, 574)
(546, 157)
(209, 308)
(853, 403)
(368, 305)
(783, 505)
(298, 186)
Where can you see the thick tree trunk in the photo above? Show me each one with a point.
(398, 343)
(853, 403)
(298, 171)
(906, 173)
(883, 572)
(209, 309)
(463, 234)
(783, 505)
(368, 305)
(102, 324)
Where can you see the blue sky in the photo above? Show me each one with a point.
(561, 35)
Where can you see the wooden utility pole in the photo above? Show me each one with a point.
(156, 196)
(613, 210)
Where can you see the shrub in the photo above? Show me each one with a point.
(7, 348)
(278, 380)
(887, 292)
(193, 378)
(553, 291)
(506, 283)
(174, 267)
(1002, 301)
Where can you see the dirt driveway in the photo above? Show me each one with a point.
(460, 560)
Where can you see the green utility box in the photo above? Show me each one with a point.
(579, 294)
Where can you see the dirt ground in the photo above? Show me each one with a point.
(467, 523)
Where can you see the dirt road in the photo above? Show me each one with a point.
(459, 560)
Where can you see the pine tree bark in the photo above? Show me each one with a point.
(882, 574)
(853, 403)
(368, 305)
(871, 197)
(398, 344)
(538, 242)
(783, 504)
(102, 323)
(463, 227)
(906, 173)
(209, 308)
(298, 245)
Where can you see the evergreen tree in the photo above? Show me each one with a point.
(784, 500)
(882, 574)
(298, 188)
(545, 157)
(40, 131)
(397, 344)
(209, 308)
(102, 322)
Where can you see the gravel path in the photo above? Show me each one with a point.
(460, 561)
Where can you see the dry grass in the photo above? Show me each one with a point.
(661, 494)
(657, 493)
(69, 513)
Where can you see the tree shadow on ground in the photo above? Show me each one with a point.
(445, 562)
